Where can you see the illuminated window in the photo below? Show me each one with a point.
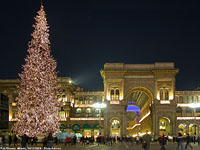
(13, 115)
(190, 99)
(189, 112)
(176, 98)
(112, 94)
(88, 110)
(185, 99)
(161, 94)
(97, 111)
(81, 100)
(117, 94)
(62, 114)
(78, 110)
(181, 99)
(164, 94)
(195, 99)
(179, 110)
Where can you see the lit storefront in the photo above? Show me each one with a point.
(96, 130)
(87, 130)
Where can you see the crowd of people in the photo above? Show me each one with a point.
(48, 141)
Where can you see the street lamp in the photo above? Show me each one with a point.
(99, 106)
(194, 106)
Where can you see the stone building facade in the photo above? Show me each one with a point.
(138, 97)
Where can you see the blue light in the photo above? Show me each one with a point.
(132, 108)
(131, 102)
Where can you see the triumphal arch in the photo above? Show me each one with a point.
(139, 97)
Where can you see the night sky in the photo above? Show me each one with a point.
(85, 34)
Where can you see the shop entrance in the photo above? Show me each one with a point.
(115, 127)
(164, 126)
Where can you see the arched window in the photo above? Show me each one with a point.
(81, 100)
(78, 110)
(185, 99)
(88, 110)
(112, 94)
(97, 111)
(180, 99)
(176, 98)
(195, 99)
(179, 110)
(117, 94)
(190, 99)
(188, 112)
(166, 94)
(161, 94)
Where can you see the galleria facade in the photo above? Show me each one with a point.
(138, 97)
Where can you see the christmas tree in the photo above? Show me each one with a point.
(37, 104)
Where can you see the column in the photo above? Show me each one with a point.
(156, 126)
(10, 97)
(154, 121)
(174, 125)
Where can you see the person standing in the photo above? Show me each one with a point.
(188, 140)
(162, 141)
(179, 141)
(132, 140)
(67, 140)
(45, 142)
(15, 139)
(146, 139)
(198, 140)
(194, 139)
(3, 141)
(10, 140)
(24, 141)
(50, 141)
(137, 139)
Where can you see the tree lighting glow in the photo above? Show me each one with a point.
(37, 110)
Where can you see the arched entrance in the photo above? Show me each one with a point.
(182, 128)
(164, 126)
(115, 127)
(138, 116)
(192, 129)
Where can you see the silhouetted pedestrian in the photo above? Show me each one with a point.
(50, 141)
(179, 140)
(15, 139)
(10, 140)
(24, 141)
(162, 140)
(188, 140)
(146, 139)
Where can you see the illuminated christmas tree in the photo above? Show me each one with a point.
(37, 104)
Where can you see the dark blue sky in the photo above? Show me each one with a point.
(85, 34)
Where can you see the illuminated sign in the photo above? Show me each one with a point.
(83, 105)
(114, 102)
(192, 105)
(164, 102)
(188, 118)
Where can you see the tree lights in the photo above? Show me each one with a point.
(37, 111)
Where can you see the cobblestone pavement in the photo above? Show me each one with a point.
(124, 146)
